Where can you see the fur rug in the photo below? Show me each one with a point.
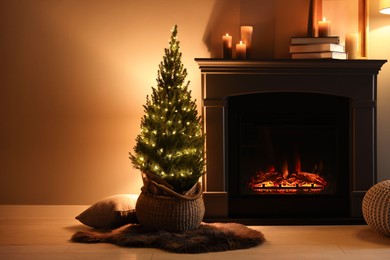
(207, 238)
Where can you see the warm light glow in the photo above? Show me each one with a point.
(384, 6)
(298, 181)
(285, 170)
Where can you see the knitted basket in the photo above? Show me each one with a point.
(376, 207)
(160, 208)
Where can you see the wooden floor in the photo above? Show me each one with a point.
(43, 232)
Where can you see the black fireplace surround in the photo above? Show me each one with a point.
(260, 115)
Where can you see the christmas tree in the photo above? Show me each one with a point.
(171, 142)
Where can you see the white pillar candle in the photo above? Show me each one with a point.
(227, 46)
(241, 50)
(324, 28)
(352, 46)
(246, 38)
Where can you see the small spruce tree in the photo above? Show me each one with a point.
(171, 142)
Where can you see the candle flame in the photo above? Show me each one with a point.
(240, 42)
(324, 19)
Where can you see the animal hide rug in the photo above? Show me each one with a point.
(208, 237)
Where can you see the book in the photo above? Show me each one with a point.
(320, 55)
(318, 47)
(315, 40)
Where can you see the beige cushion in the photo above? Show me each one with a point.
(110, 212)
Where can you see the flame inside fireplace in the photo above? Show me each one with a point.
(284, 181)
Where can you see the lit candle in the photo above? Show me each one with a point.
(241, 50)
(227, 46)
(246, 38)
(323, 28)
(351, 45)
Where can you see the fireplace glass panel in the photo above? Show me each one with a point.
(288, 159)
(291, 146)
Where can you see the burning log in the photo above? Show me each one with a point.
(313, 177)
(284, 181)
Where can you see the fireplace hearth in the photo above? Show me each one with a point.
(289, 141)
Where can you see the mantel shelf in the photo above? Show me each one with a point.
(234, 65)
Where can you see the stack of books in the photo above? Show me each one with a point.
(317, 48)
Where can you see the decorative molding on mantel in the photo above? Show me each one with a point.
(293, 66)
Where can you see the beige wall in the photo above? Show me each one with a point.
(379, 48)
(75, 74)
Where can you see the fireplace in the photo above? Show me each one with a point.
(289, 141)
